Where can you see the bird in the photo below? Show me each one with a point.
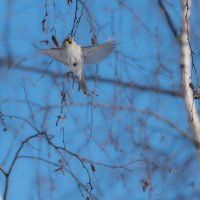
(75, 56)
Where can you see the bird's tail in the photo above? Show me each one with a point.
(82, 84)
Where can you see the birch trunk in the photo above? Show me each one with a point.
(186, 74)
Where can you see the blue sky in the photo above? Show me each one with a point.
(146, 54)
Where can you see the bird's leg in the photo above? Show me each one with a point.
(72, 75)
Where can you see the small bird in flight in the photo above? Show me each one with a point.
(73, 55)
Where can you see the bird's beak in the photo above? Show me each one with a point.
(68, 40)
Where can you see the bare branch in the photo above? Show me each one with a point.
(168, 19)
(145, 88)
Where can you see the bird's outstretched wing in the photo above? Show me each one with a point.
(55, 53)
(96, 53)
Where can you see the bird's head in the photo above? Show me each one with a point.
(68, 41)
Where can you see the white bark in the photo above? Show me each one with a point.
(186, 74)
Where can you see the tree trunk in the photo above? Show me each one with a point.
(186, 58)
